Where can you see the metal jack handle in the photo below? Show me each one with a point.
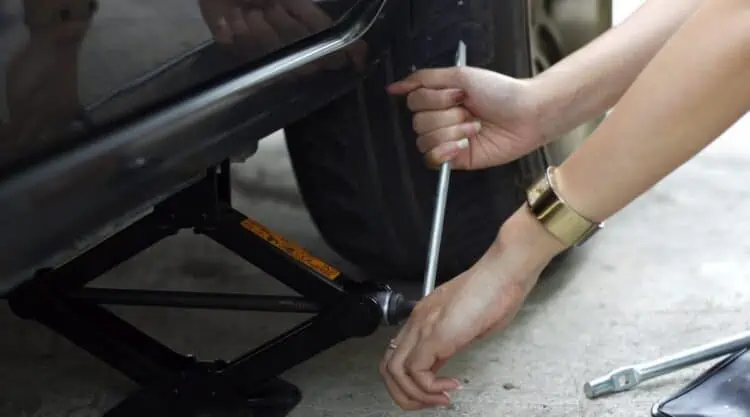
(627, 377)
(436, 233)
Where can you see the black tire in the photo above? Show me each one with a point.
(363, 180)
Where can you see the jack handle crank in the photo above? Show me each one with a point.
(396, 308)
(436, 233)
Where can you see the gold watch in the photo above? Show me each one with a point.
(567, 225)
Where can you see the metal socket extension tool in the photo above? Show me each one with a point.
(438, 216)
(625, 378)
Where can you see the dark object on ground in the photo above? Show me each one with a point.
(723, 390)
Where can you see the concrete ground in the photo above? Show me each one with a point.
(668, 272)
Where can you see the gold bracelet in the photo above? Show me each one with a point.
(556, 215)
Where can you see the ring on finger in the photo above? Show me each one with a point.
(392, 344)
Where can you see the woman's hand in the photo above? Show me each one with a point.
(474, 117)
(482, 299)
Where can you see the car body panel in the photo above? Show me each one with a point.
(85, 181)
(110, 61)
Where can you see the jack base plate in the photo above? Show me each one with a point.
(211, 396)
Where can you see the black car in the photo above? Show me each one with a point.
(120, 121)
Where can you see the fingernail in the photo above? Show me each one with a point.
(463, 143)
(477, 125)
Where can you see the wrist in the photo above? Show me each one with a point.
(527, 238)
(553, 103)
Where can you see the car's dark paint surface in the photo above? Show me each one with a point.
(73, 65)
(75, 157)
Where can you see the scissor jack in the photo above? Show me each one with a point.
(173, 384)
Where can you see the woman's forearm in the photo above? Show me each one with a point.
(587, 83)
(695, 88)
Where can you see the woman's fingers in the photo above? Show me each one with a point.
(429, 382)
(449, 134)
(403, 389)
(444, 144)
(423, 99)
(445, 152)
(397, 370)
(394, 389)
(398, 395)
(433, 78)
(427, 121)
(423, 363)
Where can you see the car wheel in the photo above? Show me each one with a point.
(363, 180)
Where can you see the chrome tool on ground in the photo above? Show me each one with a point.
(627, 377)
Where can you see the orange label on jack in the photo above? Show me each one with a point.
(294, 250)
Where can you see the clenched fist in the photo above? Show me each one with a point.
(473, 117)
